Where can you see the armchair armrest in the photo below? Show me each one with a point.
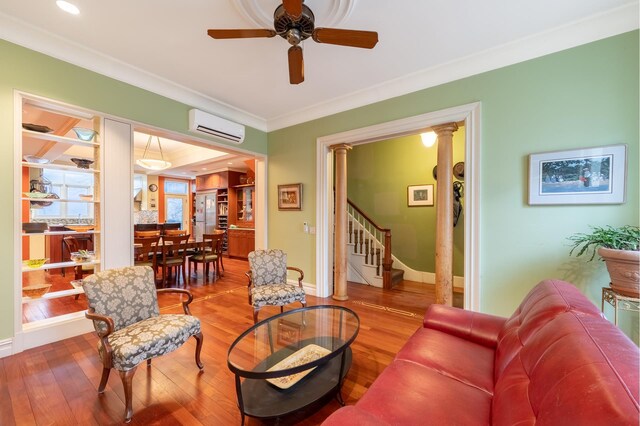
(473, 326)
(91, 314)
(185, 303)
(299, 271)
(248, 274)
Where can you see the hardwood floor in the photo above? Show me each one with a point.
(56, 384)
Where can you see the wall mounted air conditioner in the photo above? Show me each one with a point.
(203, 122)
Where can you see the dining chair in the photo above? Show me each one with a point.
(123, 305)
(73, 245)
(268, 284)
(174, 256)
(174, 232)
(209, 252)
(146, 252)
(146, 234)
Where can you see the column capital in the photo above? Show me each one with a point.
(446, 128)
(340, 146)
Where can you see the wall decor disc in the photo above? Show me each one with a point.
(435, 172)
(153, 187)
(458, 170)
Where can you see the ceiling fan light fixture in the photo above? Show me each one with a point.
(151, 163)
(68, 7)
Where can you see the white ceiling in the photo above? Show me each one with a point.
(162, 45)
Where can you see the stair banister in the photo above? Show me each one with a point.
(387, 261)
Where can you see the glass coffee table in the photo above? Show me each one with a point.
(292, 360)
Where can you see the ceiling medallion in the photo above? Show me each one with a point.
(331, 13)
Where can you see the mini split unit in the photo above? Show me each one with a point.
(203, 122)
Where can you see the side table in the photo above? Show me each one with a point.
(619, 301)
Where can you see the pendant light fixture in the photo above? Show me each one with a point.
(150, 163)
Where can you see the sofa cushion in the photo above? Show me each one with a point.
(352, 415)
(577, 367)
(462, 360)
(543, 303)
(407, 393)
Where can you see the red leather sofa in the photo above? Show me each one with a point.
(555, 361)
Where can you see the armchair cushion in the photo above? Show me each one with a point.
(149, 338)
(127, 295)
(277, 295)
(268, 267)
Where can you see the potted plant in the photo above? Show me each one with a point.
(619, 248)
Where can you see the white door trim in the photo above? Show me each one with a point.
(470, 114)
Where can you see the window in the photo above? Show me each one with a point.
(176, 187)
(67, 185)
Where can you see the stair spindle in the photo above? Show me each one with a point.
(361, 238)
(372, 252)
(366, 251)
(350, 230)
(378, 262)
(355, 245)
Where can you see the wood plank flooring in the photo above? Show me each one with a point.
(56, 384)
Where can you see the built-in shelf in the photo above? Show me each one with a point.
(54, 295)
(56, 138)
(58, 167)
(69, 264)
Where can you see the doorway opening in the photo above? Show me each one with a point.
(470, 115)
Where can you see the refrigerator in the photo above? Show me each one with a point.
(206, 214)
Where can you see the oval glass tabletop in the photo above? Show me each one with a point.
(293, 342)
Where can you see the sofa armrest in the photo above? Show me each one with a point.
(473, 326)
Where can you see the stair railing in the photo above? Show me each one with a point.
(371, 240)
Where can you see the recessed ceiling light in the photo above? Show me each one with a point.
(68, 7)
(204, 168)
(229, 163)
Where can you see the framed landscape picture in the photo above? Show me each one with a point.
(580, 176)
(290, 196)
(419, 195)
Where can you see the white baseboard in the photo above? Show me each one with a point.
(6, 347)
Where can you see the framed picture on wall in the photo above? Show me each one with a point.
(290, 196)
(420, 195)
(579, 176)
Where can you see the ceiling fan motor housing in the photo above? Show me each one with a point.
(294, 30)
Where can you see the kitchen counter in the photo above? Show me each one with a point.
(241, 242)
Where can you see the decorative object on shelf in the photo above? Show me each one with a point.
(40, 204)
(580, 176)
(37, 128)
(458, 170)
(250, 180)
(36, 290)
(34, 263)
(86, 197)
(35, 159)
(150, 163)
(82, 163)
(420, 195)
(290, 196)
(41, 184)
(82, 256)
(80, 228)
(243, 179)
(305, 355)
(34, 227)
(620, 250)
(84, 133)
(153, 187)
(36, 194)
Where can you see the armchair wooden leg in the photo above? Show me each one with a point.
(149, 362)
(103, 380)
(127, 381)
(255, 315)
(199, 339)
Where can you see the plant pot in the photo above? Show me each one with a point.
(624, 270)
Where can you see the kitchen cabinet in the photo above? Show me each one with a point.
(241, 242)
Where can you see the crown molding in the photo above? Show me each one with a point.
(587, 30)
(34, 38)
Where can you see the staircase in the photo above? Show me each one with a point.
(369, 247)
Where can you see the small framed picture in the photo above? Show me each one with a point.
(419, 195)
(579, 176)
(290, 196)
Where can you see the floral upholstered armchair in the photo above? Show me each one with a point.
(268, 281)
(123, 305)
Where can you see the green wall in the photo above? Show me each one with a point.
(582, 97)
(28, 71)
(378, 176)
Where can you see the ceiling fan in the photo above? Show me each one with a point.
(295, 22)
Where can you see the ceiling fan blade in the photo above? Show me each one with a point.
(218, 34)
(352, 38)
(293, 8)
(296, 65)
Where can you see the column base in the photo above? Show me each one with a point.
(340, 298)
